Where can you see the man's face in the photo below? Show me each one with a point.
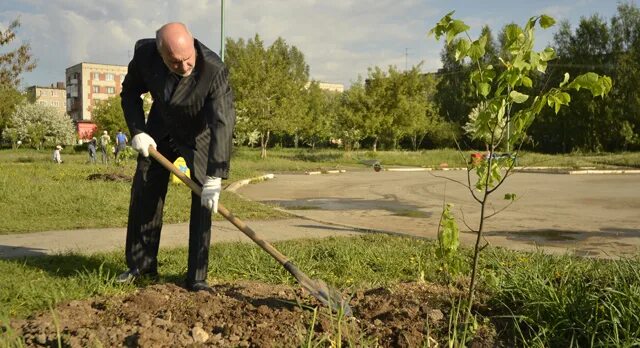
(180, 60)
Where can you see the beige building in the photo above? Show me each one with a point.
(88, 83)
(54, 96)
(333, 87)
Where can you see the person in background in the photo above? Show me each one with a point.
(193, 117)
(92, 150)
(57, 158)
(121, 143)
(105, 140)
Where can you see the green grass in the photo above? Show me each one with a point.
(37, 195)
(566, 301)
(541, 300)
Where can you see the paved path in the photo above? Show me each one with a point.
(592, 215)
(106, 239)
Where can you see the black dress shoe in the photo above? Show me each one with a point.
(134, 274)
(199, 286)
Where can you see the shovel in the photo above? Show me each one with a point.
(316, 287)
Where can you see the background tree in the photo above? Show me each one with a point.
(12, 64)
(349, 124)
(453, 89)
(10, 98)
(108, 115)
(625, 47)
(269, 86)
(411, 105)
(15, 62)
(378, 116)
(40, 126)
(315, 123)
(611, 124)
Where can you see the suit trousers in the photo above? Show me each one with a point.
(148, 194)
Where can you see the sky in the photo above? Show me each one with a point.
(340, 39)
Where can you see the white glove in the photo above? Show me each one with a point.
(141, 141)
(211, 193)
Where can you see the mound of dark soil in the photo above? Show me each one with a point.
(109, 177)
(245, 314)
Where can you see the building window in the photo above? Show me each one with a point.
(96, 76)
(122, 77)
(111, 90)
(109, 77)
(96, 89)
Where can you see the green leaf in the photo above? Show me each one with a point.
(461, 48)
(476, 51)
(548, 54)
(566, 79)
(442, 26)
(564, 98)
(512, 77)
(538, 104)
(448, 233)
(484, 89)
(546, 21)
(455, 27)
(520, 64)
(510, 196)
(518, 97)
(542, 67)
(527, 82)
(598, 85)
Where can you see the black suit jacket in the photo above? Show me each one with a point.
(199, 117)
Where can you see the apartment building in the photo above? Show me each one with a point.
(54, 96)
(328, 86)
(333, 87)
(90, 82)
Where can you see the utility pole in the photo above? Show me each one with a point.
(222, 30)
(406, 55)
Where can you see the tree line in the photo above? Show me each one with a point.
(605, 47)
(409, 109)
(278, 104)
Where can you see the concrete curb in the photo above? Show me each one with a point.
(606, 171)
(333, 171)
(238, 184)
(539, 170)
(570, 171)
(410, 169)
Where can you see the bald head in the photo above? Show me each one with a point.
(176, 47)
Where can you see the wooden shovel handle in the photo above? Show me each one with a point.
(221, 209)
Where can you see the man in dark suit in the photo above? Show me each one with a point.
(192, 116)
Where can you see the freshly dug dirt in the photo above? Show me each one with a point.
(110, 177)
(246, 314)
